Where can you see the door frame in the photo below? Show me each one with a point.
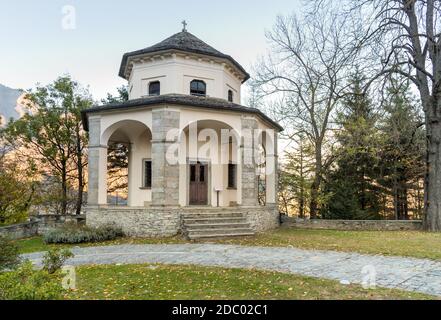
(208, 164)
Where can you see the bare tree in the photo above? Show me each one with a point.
(306, 74)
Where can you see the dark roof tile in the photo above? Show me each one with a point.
(179, 99)
(182, 41)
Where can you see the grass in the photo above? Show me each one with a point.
(37, 244)
(158, 282)
(393, 243)
(415, 244)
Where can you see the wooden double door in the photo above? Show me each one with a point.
(198, 184)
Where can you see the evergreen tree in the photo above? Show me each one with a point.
(403, 149)
(295, 179)
(351, 189)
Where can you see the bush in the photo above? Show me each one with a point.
(54, 259)
(9, 255)
(25, 283)
(73, 234)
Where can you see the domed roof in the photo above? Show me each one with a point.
(182, 41)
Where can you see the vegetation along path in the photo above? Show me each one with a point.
(411, 274)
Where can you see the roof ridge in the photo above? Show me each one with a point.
(181, 36)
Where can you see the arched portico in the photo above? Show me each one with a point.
(136, 136)
(178, 167)
(209, 158)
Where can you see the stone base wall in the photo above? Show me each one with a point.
(20, 231)
(262, 219)
(48, 222)
(167, 222)
(38, 225)
(138, 222)
(368, 225)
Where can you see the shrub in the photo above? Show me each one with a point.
(9, 255)
(25, 283)
(54, 259)
(81, 234)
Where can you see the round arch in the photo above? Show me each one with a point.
(125, 130)
(209, 129)
(214, 145)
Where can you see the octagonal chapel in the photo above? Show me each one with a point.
(199, 163)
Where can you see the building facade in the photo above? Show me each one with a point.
(199, 163)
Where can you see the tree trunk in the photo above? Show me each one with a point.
(405, 204)
(313, 205)
(64, 190)
(302, 203)
(302, 186)
(432, 219)
(315, 187)
(395, 194)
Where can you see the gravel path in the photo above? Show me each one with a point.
(411, 274)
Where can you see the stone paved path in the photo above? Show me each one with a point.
(391, 272)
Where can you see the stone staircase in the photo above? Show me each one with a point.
(215, 223)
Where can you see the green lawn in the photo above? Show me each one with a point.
(138, 282)
(398, 243)
(416, 244)
(36, 244)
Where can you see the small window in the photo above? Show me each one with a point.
(232, 169)
(147, 174)
(154, 88)
(230, 95)
(198, 88)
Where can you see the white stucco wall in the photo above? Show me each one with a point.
(140, 150)
(175, 72)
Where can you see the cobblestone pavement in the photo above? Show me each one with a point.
(390, 272)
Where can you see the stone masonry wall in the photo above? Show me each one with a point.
(20, 231)
(165, 176)
(262, 218)
(248, 176)
(38, 225)
(167, 222)
(372, 225)
(138, 222)
(48, 222)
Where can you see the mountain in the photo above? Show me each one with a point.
(9, 104)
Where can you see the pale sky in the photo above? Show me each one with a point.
(34, 47)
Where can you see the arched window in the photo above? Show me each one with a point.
(198, 88)
(154, 88)
(230, 95)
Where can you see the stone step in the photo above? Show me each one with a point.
(209, 209)
(242, 225)
(220, 235)
(202, 220)
(218, 231)
(212, 215)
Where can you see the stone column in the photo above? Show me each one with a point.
(165, 175)
(271, 167)
(248, 165)
(97, 166)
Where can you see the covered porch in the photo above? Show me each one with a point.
(201, 163)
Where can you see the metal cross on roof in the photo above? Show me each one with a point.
(184, 24)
